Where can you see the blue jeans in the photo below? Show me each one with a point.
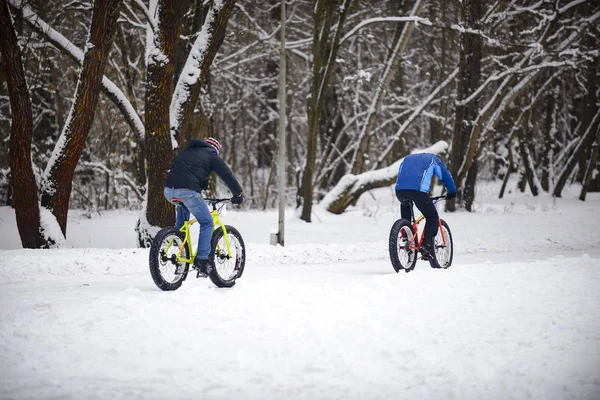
(194, 203)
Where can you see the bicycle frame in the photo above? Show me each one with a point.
(188, 240)
(415, 227)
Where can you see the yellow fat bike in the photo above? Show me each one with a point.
(171, 253)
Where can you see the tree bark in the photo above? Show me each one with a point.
(549, 141)
(61, 167)
(188, 89)
(22, 178)
(469, 189)
(525, 136)
(469, 75)
(159, 143)
(587, 178)
(509, 169)
(589, 107)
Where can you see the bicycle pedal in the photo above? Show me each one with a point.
(200, 274)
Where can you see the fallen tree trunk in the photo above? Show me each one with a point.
(350, 187)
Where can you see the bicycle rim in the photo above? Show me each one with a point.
(401, 246)
(228, 267)
(443, 253)
(406, 253)
(170, 270)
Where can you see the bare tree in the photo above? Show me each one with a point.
(56, 191)
(23, 181)
(57, 179)
(328, 14)
(168, 111)
(468, 80)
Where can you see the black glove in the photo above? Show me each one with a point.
(238, 199)
(451, 196)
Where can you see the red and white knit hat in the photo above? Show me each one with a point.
(214, 143)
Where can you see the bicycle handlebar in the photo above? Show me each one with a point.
(215, 201)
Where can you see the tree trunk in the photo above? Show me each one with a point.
(591, 166)
(509, 170)
(61, 167)
(324, 58)
(585, 141)
(469, 189)
(22, 178)
(589, 107)
(468, 80)
(525, 137)
(549, 141)
(159, 88)
(198, 64)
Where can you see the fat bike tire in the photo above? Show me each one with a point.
(401, 246)
(225, 270)
(163, 263)
(443, 253)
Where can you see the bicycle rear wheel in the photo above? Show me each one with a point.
(167, 273)
(403, 253)
(227, 268)
(444, 252)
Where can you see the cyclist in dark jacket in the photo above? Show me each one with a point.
(413, 183)
(187, 177)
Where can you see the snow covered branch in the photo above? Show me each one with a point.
(197, 65)
(350, 187)
(63, 44)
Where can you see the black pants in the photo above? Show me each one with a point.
(425, 205)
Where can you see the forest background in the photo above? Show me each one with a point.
(96, 98)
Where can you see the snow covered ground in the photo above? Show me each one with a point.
(326, 317)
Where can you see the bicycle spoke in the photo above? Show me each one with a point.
(224, 263)
(170, 269)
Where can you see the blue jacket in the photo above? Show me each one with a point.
(193, 165)
(417, 170)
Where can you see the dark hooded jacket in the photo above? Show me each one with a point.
(193, 165)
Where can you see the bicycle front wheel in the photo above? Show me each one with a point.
(444, 247)
(403, 253)
(226, 268)
(167, 273)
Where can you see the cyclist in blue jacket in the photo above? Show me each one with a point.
(414, 183)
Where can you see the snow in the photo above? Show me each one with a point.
(417, 20)
(50, 228)
(359, 76)
(574, 3)
(325, 317)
